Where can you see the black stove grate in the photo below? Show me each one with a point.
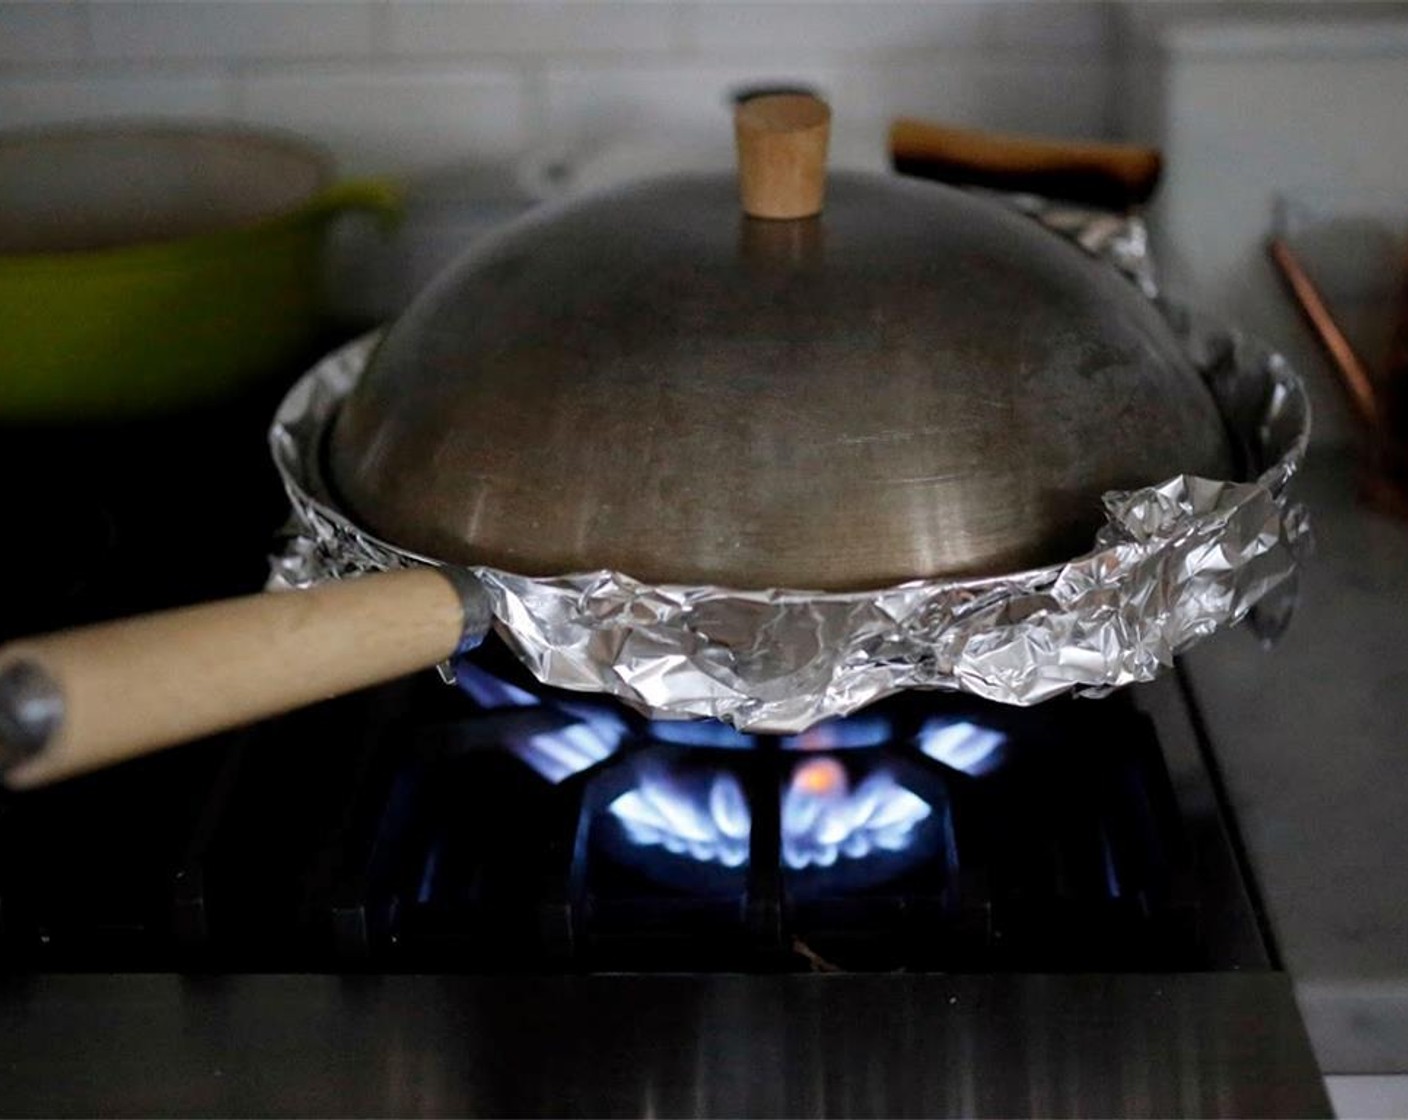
(412, 828)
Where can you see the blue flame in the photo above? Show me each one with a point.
(712, 826)
(708, 819)
(595, 734)
(962, 745)
(557, 755)
(842, 734)
(699, 733)
(824, 820)
(488, 691)
(1107, 858)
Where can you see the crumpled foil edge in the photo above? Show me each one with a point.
(1173, 563)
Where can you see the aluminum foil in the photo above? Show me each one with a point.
(1172, 564)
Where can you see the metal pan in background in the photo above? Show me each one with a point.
(150, 267)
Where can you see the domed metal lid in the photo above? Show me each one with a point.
(914, 383)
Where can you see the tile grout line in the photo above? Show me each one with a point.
(684, 31)
(379, 44)
(536, 111)
(85, 41)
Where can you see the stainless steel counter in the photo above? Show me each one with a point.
(1312, 739)
(1193, 1044)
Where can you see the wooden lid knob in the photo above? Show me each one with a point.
(782, 154)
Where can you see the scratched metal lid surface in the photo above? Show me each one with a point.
(917, 383)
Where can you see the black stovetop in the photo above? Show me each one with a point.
(413, 828)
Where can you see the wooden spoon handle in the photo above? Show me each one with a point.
(92, 697)
(1114, 176)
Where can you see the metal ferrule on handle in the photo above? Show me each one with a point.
(92, 697)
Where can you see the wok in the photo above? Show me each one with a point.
(910, 384)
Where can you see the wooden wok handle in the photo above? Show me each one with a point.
(1113, 176)
(88, 698)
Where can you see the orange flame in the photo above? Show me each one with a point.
(820, 776)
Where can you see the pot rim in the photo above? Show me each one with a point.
(314, 155)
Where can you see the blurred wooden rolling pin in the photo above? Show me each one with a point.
(1109, 176)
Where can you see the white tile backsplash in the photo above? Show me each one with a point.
(1054, 27)
(589, 103)
(531, 27)
(40, 32)
(400, 120)
(407, 85)
(1048, 97)
(593, 102)
(1251, 111)
(233, 29)
(771, 27)
(1366, 38)
(859, 28)
(41, 100)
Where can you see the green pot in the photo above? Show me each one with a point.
(151, 269)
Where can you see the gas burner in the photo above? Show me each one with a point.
(703, 816)
(572, 737)
(514, 827)
(824, 819)
(962, 745)
(683, 795)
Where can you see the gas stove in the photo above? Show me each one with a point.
(514, 828)
(504, 899)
